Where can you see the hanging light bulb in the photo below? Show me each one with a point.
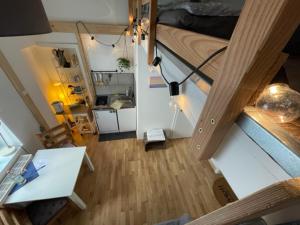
(172, 102)
(280, 102)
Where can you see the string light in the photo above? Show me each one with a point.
(98, 41)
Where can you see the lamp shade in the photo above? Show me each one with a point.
(25, 17)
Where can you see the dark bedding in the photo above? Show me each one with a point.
(216, 26)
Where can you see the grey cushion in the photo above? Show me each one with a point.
(42, 212)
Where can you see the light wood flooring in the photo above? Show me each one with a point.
(134, 187)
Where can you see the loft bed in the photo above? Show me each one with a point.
(194, 29)
(194, 37)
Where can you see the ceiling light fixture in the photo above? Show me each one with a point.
(18, 18)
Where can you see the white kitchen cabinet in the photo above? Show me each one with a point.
(106, 121)
(127, 119)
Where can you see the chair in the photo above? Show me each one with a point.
(45, 212)
(59, 136)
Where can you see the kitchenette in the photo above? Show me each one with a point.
(115, 106)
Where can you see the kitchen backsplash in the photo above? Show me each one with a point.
(113, 83)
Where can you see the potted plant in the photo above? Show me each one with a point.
(123, 63)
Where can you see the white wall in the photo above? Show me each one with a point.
(191, 99)
(100, 11)
(102, 57)
(153, 109)
(14, 49)
(17, 117)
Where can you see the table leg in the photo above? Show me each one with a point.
(77, 201)
(88, 162)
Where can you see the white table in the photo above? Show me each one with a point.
(57, 179)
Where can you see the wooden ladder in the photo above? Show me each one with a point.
(268, 200)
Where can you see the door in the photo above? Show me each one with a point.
(127, 119)
(106, 121)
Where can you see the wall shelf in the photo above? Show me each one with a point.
(280, 141)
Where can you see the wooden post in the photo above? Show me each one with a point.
(94, 28)
(86, 67)
(139, 8)
(131, 15)
(152, 30)
(13, 78)
(263, 29)
(263, 202)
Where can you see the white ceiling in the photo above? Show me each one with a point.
(100, 11)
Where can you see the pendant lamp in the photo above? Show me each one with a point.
(23, 17)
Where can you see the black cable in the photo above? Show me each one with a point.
(195, 70)
(163, 74)
(161, 71)
(202, 64)
(25, 150)
(100, 42)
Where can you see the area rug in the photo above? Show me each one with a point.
(116, 136)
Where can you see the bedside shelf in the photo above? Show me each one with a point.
(280, 141)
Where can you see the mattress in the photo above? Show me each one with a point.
(216, 26)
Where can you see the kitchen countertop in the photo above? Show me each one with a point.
(111, 98)
(110, 108)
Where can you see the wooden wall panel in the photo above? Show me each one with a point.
(263, 29)
(94, 28)
(193, 47)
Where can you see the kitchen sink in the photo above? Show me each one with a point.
(108, 100)
(101, 100)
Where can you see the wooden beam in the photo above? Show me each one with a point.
(94, 28)
(144, 2)
(13, 78)
(86, 68)
(139, 9)
(263, 202)
(130, 15)
(263, 29)
(192, 47)
(269, 77)
(152, 30)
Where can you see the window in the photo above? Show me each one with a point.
(7, 138)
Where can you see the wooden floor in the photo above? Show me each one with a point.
(134, 187)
